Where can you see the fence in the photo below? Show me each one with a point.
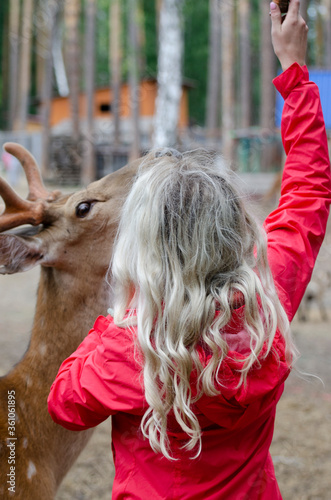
(32, 141)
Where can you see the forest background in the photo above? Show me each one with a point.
(243, 64)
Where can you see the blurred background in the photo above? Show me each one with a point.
(87, 85)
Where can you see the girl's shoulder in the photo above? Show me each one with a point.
(105, 325)
(117, 342)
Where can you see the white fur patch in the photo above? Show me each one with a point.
(25, 443)
(31, 470)
(42, 349)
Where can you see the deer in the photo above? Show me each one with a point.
(316, 291)
(71, 238)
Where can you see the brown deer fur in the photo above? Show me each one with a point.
(74, 255)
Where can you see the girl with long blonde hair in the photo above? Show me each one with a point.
(187, 255)
(193, 359)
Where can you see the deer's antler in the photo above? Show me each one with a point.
(30, 211)
(36, 186)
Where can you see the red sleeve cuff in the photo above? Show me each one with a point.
(290, 78)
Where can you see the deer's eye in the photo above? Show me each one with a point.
(83, 209)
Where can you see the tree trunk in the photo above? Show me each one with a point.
(158, 14)
(134, 79)
(328, 34)
(228, 122)
(58, 60)
(115, 69)
(47, 84)
(320, 39)
(42, 45)
(245, 63)
(72, 11)
(304, 4)
(25, 65)
(141, 35)
(89, 167)
(14, 22)
(4, 66)
(169, 77)
(268, 71)
(214, 63)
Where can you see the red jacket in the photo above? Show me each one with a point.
(102, 377)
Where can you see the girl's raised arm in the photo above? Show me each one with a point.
(296, 228)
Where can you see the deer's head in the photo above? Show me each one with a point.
(68, 232)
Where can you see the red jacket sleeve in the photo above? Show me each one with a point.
(99, 379)
(295, 230)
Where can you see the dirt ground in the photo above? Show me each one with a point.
(301, 448)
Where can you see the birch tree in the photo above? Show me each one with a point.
(60, 72)
(169, 76)
(213, 84)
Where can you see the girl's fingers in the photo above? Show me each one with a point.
(275, 14)
(293, 9)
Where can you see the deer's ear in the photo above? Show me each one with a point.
(19, 254)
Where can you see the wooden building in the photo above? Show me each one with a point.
(60, 107)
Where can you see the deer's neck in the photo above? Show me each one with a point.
(66, 309)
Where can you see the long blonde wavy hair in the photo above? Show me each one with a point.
(185, 244)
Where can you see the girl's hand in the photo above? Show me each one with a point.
(289, 38)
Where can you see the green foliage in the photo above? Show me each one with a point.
(196, 46)
(151, 41)
(196, 20)
(102, 44)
